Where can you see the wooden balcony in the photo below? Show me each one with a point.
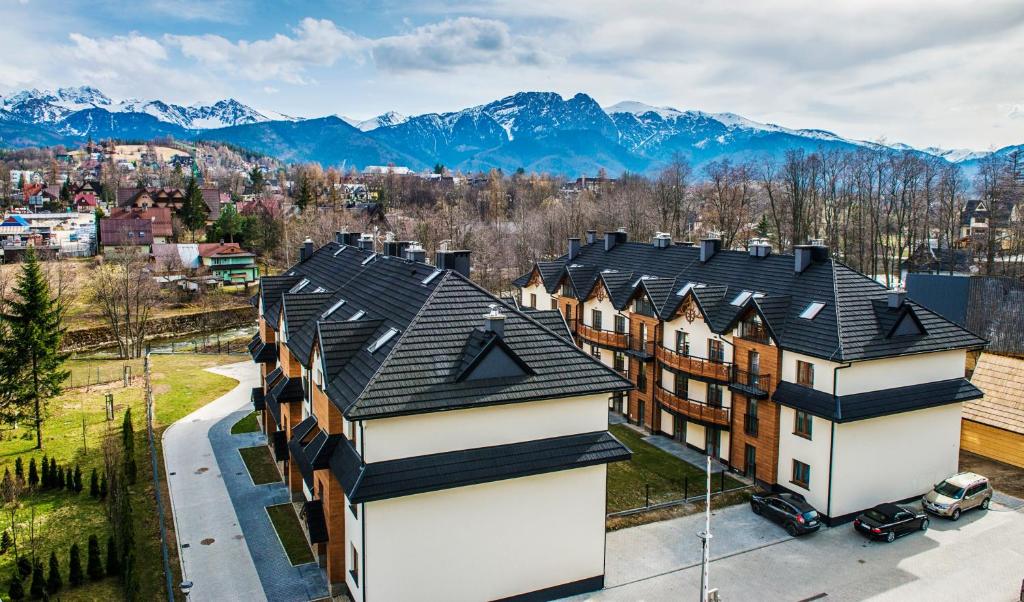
(693, 410)
(697, 366)
(607, 338)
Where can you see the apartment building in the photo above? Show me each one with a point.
(443, 444)
(795, 370)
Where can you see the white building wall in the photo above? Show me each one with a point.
(543, 297)
(354, 539)
(608, 312)
(901, 371)
(405, 436)
(824, 370)
(487, 541)
(813, 452)
(698, 333)
(893, 457)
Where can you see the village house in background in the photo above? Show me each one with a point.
(432, 432)
(793, 369)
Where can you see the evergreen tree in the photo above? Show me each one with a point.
(103, 486)
(193, 210)
(113, 561)
(5, 542)
(38, 587)
(16, 591)
(54, 483)
(128, 439)
(24, 566)
(57, 478)
(31, 360)
(95, 566)
(45, 479)
(227, 226)
(54, 581)
(256, 177)
(762, 227)
(69, 479)
(304, 196)
(65, 190)
(19, 468)
(33, 474)
(75, 576)
(94, 484)
(78, 479)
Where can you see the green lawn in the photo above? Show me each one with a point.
(246, 425)
(180, 385)
(666, 475)
(286, 523)
(260, 465)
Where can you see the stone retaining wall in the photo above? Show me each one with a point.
(89, 339)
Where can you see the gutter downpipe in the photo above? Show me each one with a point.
(832, 437)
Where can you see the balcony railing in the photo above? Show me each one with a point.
(619, 340)
(750, 424)
(644, 349)
(755, 333)
(697, 366)
(694, 410)
(753, 384)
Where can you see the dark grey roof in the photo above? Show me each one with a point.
(261, 352)
(991, 306)
(552, 319)
(435, 472)
(298, 310)
(860, 406)
(850, 333)
(286, 390)
(258, 399)
(271, 289)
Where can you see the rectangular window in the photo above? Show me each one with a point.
(533, 300)
(682, 343)
(355, 564)
(595, 351)
(716, 352)
(619, 361)
(554, 303)
(803, 424)
(566, 290)
(714, 395)
(804, 373)
(641, 380)
(644, 307)
(682, 386)
(595, 319)
(801, 474)
(620, 324)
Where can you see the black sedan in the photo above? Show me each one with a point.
(889, 521)
(789, 510)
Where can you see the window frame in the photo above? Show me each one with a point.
(803, 424)
(354, 571)
(805, 374)
(682, 343)
(533, 300)
(595, 319)
(716, 351)
(801, 480)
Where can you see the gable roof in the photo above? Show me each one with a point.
(1002, 380)
(846, 328)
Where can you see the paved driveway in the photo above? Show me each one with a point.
(980, 557)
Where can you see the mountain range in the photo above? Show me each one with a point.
(537, 131)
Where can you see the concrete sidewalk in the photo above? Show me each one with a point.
(212, 548)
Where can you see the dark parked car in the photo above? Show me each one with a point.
(889, 521)
(789, 510)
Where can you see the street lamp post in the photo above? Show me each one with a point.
(705, 535)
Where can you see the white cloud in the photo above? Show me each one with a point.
(315, 43)
(453, 43)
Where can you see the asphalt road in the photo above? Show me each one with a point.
(980, 557)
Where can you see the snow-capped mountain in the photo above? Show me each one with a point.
(35, 107)
(387, 119)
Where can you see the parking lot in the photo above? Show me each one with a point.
(980, 557)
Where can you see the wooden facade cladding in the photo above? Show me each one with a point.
(761, 433)
(289, 364)
(328, 416)
(328, 490)
(992, 442)
(696, 366)
(266, 332)
(693, 410)
(641, 368)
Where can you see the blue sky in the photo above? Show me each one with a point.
(925, 72)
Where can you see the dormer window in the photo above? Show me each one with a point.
(644, 307)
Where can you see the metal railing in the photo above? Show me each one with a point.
(643, 346)
(698, 366)
(696, 410)
(754, 384)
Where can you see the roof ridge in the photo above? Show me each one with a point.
(409, 327)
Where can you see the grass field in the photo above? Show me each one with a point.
(260, 465)
(246, 425)
(181, 385)
(666, 475)
(286, 523)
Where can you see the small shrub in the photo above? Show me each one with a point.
(16, 591)
(113, 562)
(78, 479)
(69, 480)
(5, 542)
(54, 581)
(33, 474)
(103, 487)
(19, 468)
(24, 567)
(94, 484)
(95, 566)
(75, 575)
(38, 587)
(53, 474)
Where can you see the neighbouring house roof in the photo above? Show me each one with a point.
(160, 216)
(126, 231)
(847, 328)
(861, 406)
(15, 220)
(1002, 379)
(222, 249)
(435, 472)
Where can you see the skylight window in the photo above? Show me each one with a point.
(384, 338)
(357, 315)
(689, 286)
(742, 298)
(333, 308)
(338, 252)
(812, 310)
(430, 277)
(319, 289)
(298, 287)
(369, 259)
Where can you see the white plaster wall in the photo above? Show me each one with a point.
(695, 435)
(668, 379)
(354, 537)
(699, 332)
(608, 312)
(724, 448)
(813, 452)
(901, 371)
(893, 457)
(405, 436)
(823, 370)
(667, 422)
(543, 297)
(487, 541)
(698, 391)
